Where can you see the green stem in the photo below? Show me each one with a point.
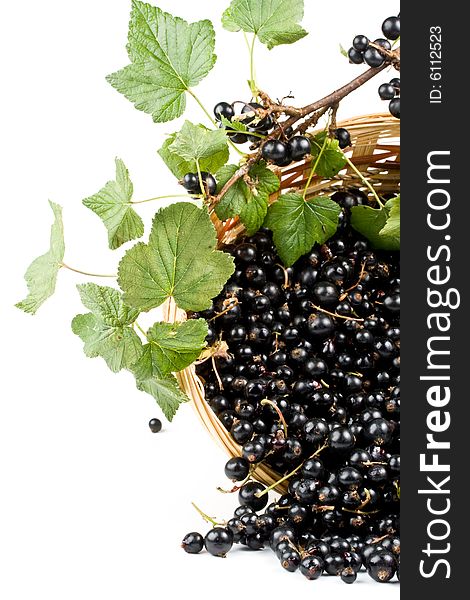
(160, 198)
(84, 272)
(201, 182)
(140, 329)
(293, 472)
(206, 517)
(314, 168)
(253, 86)
(204, 110)
(352, 166)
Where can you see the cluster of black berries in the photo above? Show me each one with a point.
(258, 126)
(362, 51)
(391, 91)
(309, 386)
(206, 185)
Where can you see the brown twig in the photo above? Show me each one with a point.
(296, 114)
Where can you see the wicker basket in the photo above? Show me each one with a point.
(376, 154)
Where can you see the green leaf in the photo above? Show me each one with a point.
(254, 213)
(41, 275)
(180, 260)
(177, 165)
(370, 222)
(273, 21)
(343, 51)
(235, 125)
(113, 205)
(171, 348)
(107, 330)
(331, 160)
(198, 145)
(166, 392)
(248, 197)
(298, 224)
(168, 56)
(181, 151)
(391, 231)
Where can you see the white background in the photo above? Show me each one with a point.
(92, 505)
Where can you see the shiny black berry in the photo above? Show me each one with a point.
(155, 425)
(218, 541)
(193, 543)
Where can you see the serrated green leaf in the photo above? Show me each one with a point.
(107, 330)
(234, 199)
(180, 261)
(168, 57)
(391, 230)
(298, 224)
(171, 348)
(369, 222)
(41, 275)
(248, 197)
(331, 160)
(113, 205)
(273, 21)
(234, 125)
(181, 151)
(254, 213)
(198, 145)
(166, 392)
(177, 165)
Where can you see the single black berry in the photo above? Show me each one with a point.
(224, 109)
(394, 107)
(355, 56)
(193, 543)
(218, 541)
(360, 43)
(343, 137)
(373, 57)
(391, 28)
(155, 425)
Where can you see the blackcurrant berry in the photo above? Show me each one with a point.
(355, 56)
(299, 146)
(193, 543)
(386, 91)
(343, 136)
(348, 575)
(155, 425)
(381, 566)
(391, 28)
(218, 541)
(360, 43)
(224, 109)
(275, 150)
(237, 468)
(383, 43)
(394, 107)
(247, 495)
(373, 57)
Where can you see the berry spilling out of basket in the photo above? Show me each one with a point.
(285, 257)
(309, 385)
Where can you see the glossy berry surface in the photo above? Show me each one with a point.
(373, 57)
(391, 28)
(343, 137)
(155, 425)
(193, 543)
(298, 147)
(218, 541)
(224, 109)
